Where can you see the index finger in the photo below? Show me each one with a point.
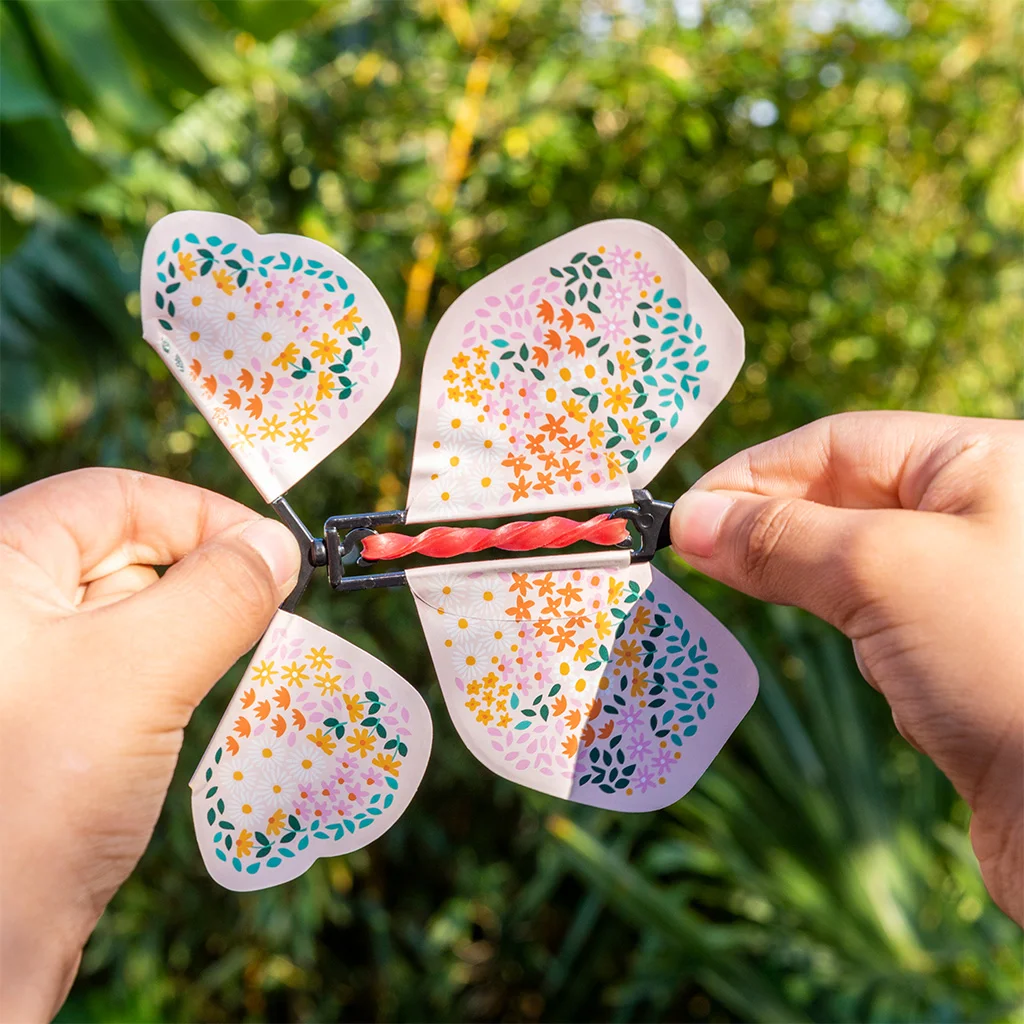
(83, 525)
(851, 460)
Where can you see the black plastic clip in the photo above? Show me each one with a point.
(343, 537)
(651, 518)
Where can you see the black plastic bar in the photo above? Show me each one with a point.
(341, 543)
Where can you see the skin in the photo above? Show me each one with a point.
(905, 531)
(103, 664)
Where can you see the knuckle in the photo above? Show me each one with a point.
(766, 529)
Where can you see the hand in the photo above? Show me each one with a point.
(103, 664)
(905, 531)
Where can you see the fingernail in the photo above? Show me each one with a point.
(697, 520)
(274, 543)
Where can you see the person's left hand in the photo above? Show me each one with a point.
(103, 663)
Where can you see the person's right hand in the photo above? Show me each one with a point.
(905, 531)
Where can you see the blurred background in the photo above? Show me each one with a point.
(850, 176)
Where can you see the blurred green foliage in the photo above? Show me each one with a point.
(847, 173)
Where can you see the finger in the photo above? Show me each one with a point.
(81, 526)
(117, 586)
(831, 561)
(181, 634)
(865, 460)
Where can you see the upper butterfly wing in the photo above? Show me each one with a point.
(569, 377)
(284, 345)
(584, 677)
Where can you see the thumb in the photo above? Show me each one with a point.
(186, 630)
(787, 550)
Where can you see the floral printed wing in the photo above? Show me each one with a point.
(319, 752)
(284, 345)
(587, 678)
(569, 377)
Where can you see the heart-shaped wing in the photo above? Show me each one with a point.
(284, 345)
(319, 752)
(569, 377)
(584, 677)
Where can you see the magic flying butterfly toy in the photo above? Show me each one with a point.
(564, 381)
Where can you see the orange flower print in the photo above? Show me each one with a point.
(521, 610)
(326, 349)
(224, 282)
(520, 488)
(517, 463)
(574, 410)
(187, 265)
(361, 742)
(275, 823)
(545, 585)
(354, 707)
(323, 741)
(563, 638)
(289, 355)
(639, 686)
(595, 434)
(348, 321)
(636, 430)
(569, 469)
(325, 386)
(545, 482)
(520, 583)
(627, 364)
(586, 649)
(641, 619)
(603, 625)
(619, 399)
(553, 427)
(243, 844)
(386, 763)
(628, 653)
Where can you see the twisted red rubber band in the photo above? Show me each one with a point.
(448, 541)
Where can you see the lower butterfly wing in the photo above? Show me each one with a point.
(319, 753)
(588, 678)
